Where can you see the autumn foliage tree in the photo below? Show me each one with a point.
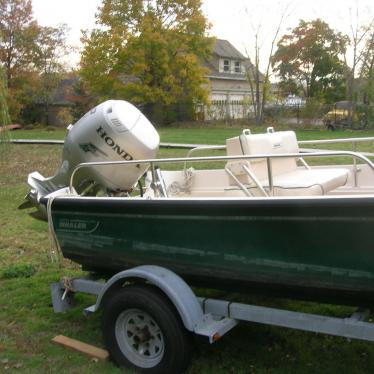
(29, 55)
(309, 58)
(148, 52)
(18, 31)
(50, 48)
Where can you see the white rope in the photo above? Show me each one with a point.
(176, 188)
(55, 249)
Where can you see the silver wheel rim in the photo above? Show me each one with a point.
(139, 338)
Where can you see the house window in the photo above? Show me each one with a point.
(226, 65)
(237, 67)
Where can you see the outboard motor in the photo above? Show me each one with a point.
(113, 131)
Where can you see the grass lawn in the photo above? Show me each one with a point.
(201, 135)
(27, 321)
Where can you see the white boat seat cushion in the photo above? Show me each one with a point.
(288, 178)
(308, 182)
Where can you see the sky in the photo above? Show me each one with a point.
(233, 20)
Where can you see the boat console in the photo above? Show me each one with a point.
(288, 179)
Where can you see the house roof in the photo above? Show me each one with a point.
(223, 48)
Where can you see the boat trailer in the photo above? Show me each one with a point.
(207, 317)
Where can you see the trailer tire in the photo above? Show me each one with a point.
(143, 331)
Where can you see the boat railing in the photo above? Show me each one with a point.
(156, 182)
(353, 141)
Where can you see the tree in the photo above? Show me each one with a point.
(260, 83)
(18, 32)
(49, 50)
(310, 57)
(4, 115)
(360, 44)
(148, 52)
(359, 69)
(30, 55)
(367, 78)
(367, 70)
(80, 98)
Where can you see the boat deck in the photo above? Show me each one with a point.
(215, 183)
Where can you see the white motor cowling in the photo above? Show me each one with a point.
(113, 131)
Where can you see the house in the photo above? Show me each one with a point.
(53, 109)
(66, 103)
(230, 92)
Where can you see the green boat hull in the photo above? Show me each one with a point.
(318, 248)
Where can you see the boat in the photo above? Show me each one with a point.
(259, 220)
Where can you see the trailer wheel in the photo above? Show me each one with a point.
(143, 331)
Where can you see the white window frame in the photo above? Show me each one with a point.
(238, 67)
(226, 66)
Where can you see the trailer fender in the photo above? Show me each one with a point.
(173, 286)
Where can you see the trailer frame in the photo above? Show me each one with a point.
(207, 317)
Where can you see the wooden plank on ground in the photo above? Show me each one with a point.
(84, 348)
